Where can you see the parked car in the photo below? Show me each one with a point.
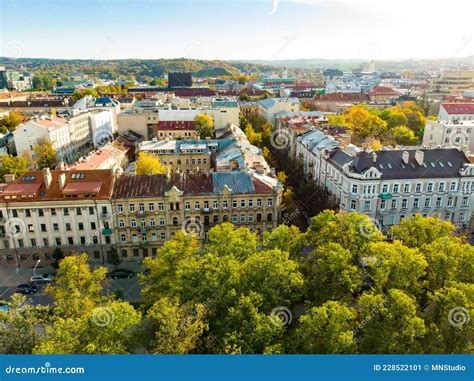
(43, 278)
(121, 274)
(27, 288)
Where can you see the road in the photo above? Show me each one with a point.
(10, 278)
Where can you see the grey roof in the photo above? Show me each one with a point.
(239, 182)
(437, 163)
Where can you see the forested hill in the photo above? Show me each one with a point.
(142, 70)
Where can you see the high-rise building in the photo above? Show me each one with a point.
(180, 80)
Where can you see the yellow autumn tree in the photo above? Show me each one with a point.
(148, 164)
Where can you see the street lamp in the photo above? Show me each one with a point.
(34, 269)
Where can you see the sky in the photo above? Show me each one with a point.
(237, 29)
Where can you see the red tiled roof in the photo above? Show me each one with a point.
(382, 90)
(14, 189)
(459, 108)
(174, 125)
(85, 187)
(343, 97)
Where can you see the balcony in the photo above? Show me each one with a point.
(206, 210)
(106, 231)
(105, 216)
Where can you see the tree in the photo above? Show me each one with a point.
(13, 165)
(224, 240)
(79, 94)
(148, 164)
(76, 289)
(19, 326)
(416, 231)
(10, 122)
(364, 123)
(448, 315)
(105, 329)
(330, 275)
(353, 231)
(404, 136)
(44, 154)
(397, 266)
(389, 324)
(57, 255)
(171, 327)
(282, 237)
(204, 126)
(43, 82)
(326, 329)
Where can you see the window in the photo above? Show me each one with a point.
(78, 211)
(367, 205)
(27, 213)
(234, 218)
(161, 206)
(439, 201)
(452, 186)
(234, 203)
(131, 208)
(242, 218)
(153, 237)
(270, 202)
(162, 221)
(430, 187)
(133, 223)
(81, 226)
(68, 226)
(151, 207)
(418, 187)
(58, 241)
(93, 226)
(354, 188)
(259, 202)
(406, 188)
(141, 207)
(215, 204)
(206, 204)
(416, 203)
(242, 203)
(353, 204)
(55, 227)
(394, 204)
(396, 188)
(391, 219)
(441, 187)
(427, 202)
(197, 205)
(123, 238)
(66, 211)
(43, 227)
(121, 224)
(120, 208)
(250, 218)
(134, 238)
(45, 242)
(82, 240)
(382, 205)
(163, 236)
(31, 228)
(14, 213)
(91, 210)
(187, 205)
(404, 203)
(465, 201)
(385, 188)
(224, 204)
(250, 202)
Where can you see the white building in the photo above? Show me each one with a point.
(456, 111)
(450, 133)
(269, 108)
(102, 125)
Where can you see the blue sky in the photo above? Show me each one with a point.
(236, 29)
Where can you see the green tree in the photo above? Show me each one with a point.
(79, 94)
(326, 329)
(282, 237)
(14, 165)
(204, 126)
(224, 240)
(389, 324)
(404, 136)
(330, 275)
(149, 164)
(416, 231)
(19, 331)
(44, 154)
(170, 327)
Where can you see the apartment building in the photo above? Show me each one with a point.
(390, 185)
(456, 111)
(45, 209)
(269, 108)
(451, 82)
(450, 133)
(151, 209)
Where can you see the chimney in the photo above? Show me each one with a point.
(419, 156)
(9, 178)
(374, 157)
(62, 180)
(48, 178)
(405, 157)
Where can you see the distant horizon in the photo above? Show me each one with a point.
(226, 30)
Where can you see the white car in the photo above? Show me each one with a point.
(44, 278)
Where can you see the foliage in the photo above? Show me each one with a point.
(43, 82)
(15, 165)
(10, 122)
(403, 135)
(44, 154)
(204, 126)
(79, 94)
(149, 164)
